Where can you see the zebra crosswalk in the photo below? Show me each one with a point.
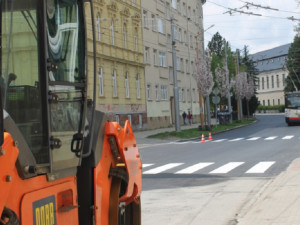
(210, 168)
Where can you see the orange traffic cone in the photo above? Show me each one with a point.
(210, 137)
(202, 138)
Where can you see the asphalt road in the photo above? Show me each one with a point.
(229, 170)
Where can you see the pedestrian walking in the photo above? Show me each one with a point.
(190, 118)
(184, 117)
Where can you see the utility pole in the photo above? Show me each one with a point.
(228, 95)
(176, 97)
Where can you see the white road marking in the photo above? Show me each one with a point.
(260, 167)
(227, 167)
(194, 168)
(220, 140)
(162, 168)
(147, 165)
(288, 137)
(236, 139)
(253, 139)
(270, 138)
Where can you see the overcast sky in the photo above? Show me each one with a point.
(259, 33)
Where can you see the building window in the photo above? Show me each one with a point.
(167, 10)
(112, 32)
(184, 36)
(194, 95)
(268, 102)
(177, 64)
(156, 92)
(181, 64)
(160, 26)
(184, 9)
(191, 41)
(148, 91)
(154, 57)
(164, 92)
(136, 39)
(147, 55)
(162, 59)
(169, 41)
(179, 35)
(272, 81)
(100, 75)
(174, 4)
(278, 101)
(178, 6)
(145, 22)
(189, 12)
(268, 84)
(133, 3)
(273, 101)
(124, 35)
(183, 94)
(188, 95)
(263, 83)
(258, 83)
(153, 22)
(138, 90)
(283, 80)
(127, 85)
(98, 28)
(277, 81)
(264, 103)
(114, 80)
(187, 66)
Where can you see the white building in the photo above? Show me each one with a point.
(272, 74)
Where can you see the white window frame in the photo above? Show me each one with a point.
(154, 57)
(125, 35)
(148, 91)
(156, 92)
(114, 80)
(127, 85)
(153, 22)
(177, 63)
(146, 55)
(160, 25)
(145, 22)
(112, 32)
(98, 27)
(162, 59)
(174, 4)
(138, 89)
(164, 92)
(136, 39)
(101, 86)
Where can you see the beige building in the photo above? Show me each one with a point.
(120, 61)
(188, 20)
(272, 74)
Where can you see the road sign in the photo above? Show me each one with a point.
(216, 91)
(216, 99)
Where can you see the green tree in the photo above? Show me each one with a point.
(216, 45)
(293, 66)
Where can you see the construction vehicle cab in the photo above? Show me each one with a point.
(61, 162)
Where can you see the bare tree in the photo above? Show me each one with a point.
(222, 78)
(240, 88)
(249, 92)
(204, 79)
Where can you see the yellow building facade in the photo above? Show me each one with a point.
(120, 61)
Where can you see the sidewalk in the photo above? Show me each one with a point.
(278, 204)
(146, 133)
